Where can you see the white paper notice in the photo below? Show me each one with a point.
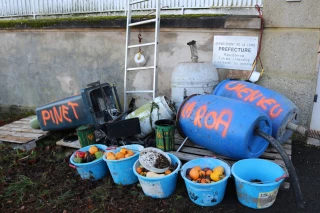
(234, 52)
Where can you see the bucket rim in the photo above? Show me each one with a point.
(101, 146)
(136, 152)
(172, 122)
(159, 178)
(237, 178)
(117, 161)
(207, 184)
(84, 127)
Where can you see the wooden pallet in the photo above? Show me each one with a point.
(190, 151)
(19, 134)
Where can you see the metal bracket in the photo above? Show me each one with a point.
(182, 144)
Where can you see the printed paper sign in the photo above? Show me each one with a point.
(234, 52)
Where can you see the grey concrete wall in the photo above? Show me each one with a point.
(40, 66)
(37, 67)
(289, 58)
(290, 44)
(303, 14)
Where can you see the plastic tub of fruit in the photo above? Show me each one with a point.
(206, 180)
(88, 162)
(120, 161)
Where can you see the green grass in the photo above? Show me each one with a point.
(18, 189)
(53, 22)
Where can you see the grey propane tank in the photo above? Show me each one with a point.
(192, 78)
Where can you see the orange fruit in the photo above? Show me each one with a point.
(111, 156)
(109, 153)
(218, 169)
(124, 151)
(127, 156)
(202, 173)
(208, 172)
(197, 167)
(167, 172)
(194, 173)
(130, 152)
(139, 170)
(119, 155)
(93, 150)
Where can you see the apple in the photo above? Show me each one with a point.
(98, 154)
(80, 154)
(77, 160)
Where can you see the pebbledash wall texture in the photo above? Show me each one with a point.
(46, 60)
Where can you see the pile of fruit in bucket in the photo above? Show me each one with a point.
(123, 153)
(205, 175)
(92, 154)
(147, 173)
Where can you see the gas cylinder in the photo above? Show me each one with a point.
(224, 126)
(192, 77)
(277, 107)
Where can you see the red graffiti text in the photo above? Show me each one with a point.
(208, 119)
(269, 105)
(60, 114)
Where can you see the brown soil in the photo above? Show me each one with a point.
(42, 181)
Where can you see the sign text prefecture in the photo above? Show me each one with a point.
(234, 52)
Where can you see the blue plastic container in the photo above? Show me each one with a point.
(96, 169)
(161, 187)
(209, 194)
(276, 106)
(122, 170)
(224, 126)
(257, 195)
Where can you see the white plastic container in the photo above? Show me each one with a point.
(155, 110)
(194, 77)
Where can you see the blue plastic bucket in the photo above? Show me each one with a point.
(96, 169)
(122, 170)
(208, 194)
(161, 187)
(257, 195)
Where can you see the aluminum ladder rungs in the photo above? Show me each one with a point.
(142, 22)
(140, 91)
(142, 45)
(136, 2)
(140, 68)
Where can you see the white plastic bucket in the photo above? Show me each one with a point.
(157, 109)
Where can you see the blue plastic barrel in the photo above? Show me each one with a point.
(209, 194)
(276, 106)
(224, 126)
(122, 170)
(96, 169)
(161, 187)
(250, 192)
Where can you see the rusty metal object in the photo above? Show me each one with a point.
(304, 131)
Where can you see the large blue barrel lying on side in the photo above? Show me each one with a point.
(278, 108)
(224, 126)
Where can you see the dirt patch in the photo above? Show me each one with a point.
(42, 181)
